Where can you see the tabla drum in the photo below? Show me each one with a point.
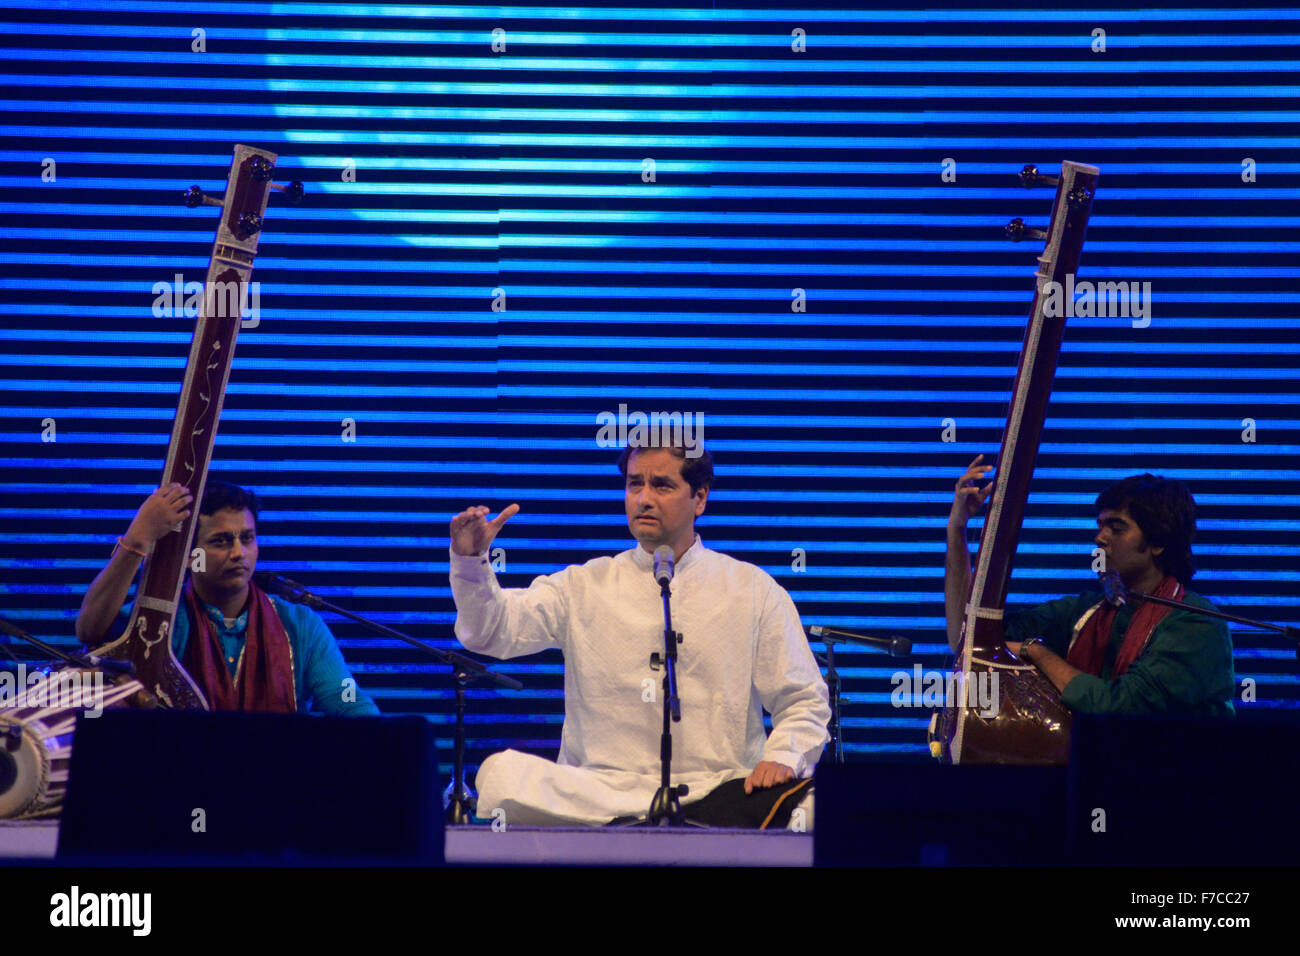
(36, 736)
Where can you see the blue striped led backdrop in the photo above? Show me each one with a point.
(775, 169)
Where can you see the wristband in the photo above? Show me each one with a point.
(126, 547)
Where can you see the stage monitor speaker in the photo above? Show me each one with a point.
(896, 814)
(1158, 791)
(187, 787)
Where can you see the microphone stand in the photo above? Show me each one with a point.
(75, 660)
(833, 685)
(666, 808)
(460, 799)
(114, 671)
(896, 646)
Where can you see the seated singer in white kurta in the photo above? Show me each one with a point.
(743, 650)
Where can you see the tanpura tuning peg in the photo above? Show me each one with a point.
(1017, 230)
(194, 197)
(261, 169)
(292, 192)
(249, 224)
(1078, 196)
(1030, 177)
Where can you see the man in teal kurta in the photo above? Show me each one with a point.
(248, 651)
(1142, 658)
(321, 677)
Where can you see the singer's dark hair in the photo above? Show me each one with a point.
(1165, 512)
(697, 471)
(220, 495)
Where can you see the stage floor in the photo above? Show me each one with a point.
(37, 840)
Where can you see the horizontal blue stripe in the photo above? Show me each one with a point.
(568, 420)
(278, 138)
(410, 392)
(489, 114)
(506, 240)
(592, 367)
(656, 191)
(395, 318)
(397, 341)
(592, 164)
(699, 293)
(776, 64)
(778, 41)
(492, 217)
(1261, 398)
(834, 14)
(693, 268)
(730, 91)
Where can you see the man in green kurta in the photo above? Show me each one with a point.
(1141, 658)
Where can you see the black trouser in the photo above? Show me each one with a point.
(729, 806)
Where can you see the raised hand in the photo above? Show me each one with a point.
(161, 512)
(969, 497)
(471, 532)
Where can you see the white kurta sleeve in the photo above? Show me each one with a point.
(506, 622)
(789, 685)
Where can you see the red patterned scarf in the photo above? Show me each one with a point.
(264, 679)
(1088, 653)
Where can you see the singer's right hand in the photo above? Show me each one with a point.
(471, 532)
(969, 497)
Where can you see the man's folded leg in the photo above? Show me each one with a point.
(782, 806)
(533, 792)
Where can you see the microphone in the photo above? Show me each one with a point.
(898, 646)
(665, 563)
(271, 583)
(1113, 588)
(291, 591)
